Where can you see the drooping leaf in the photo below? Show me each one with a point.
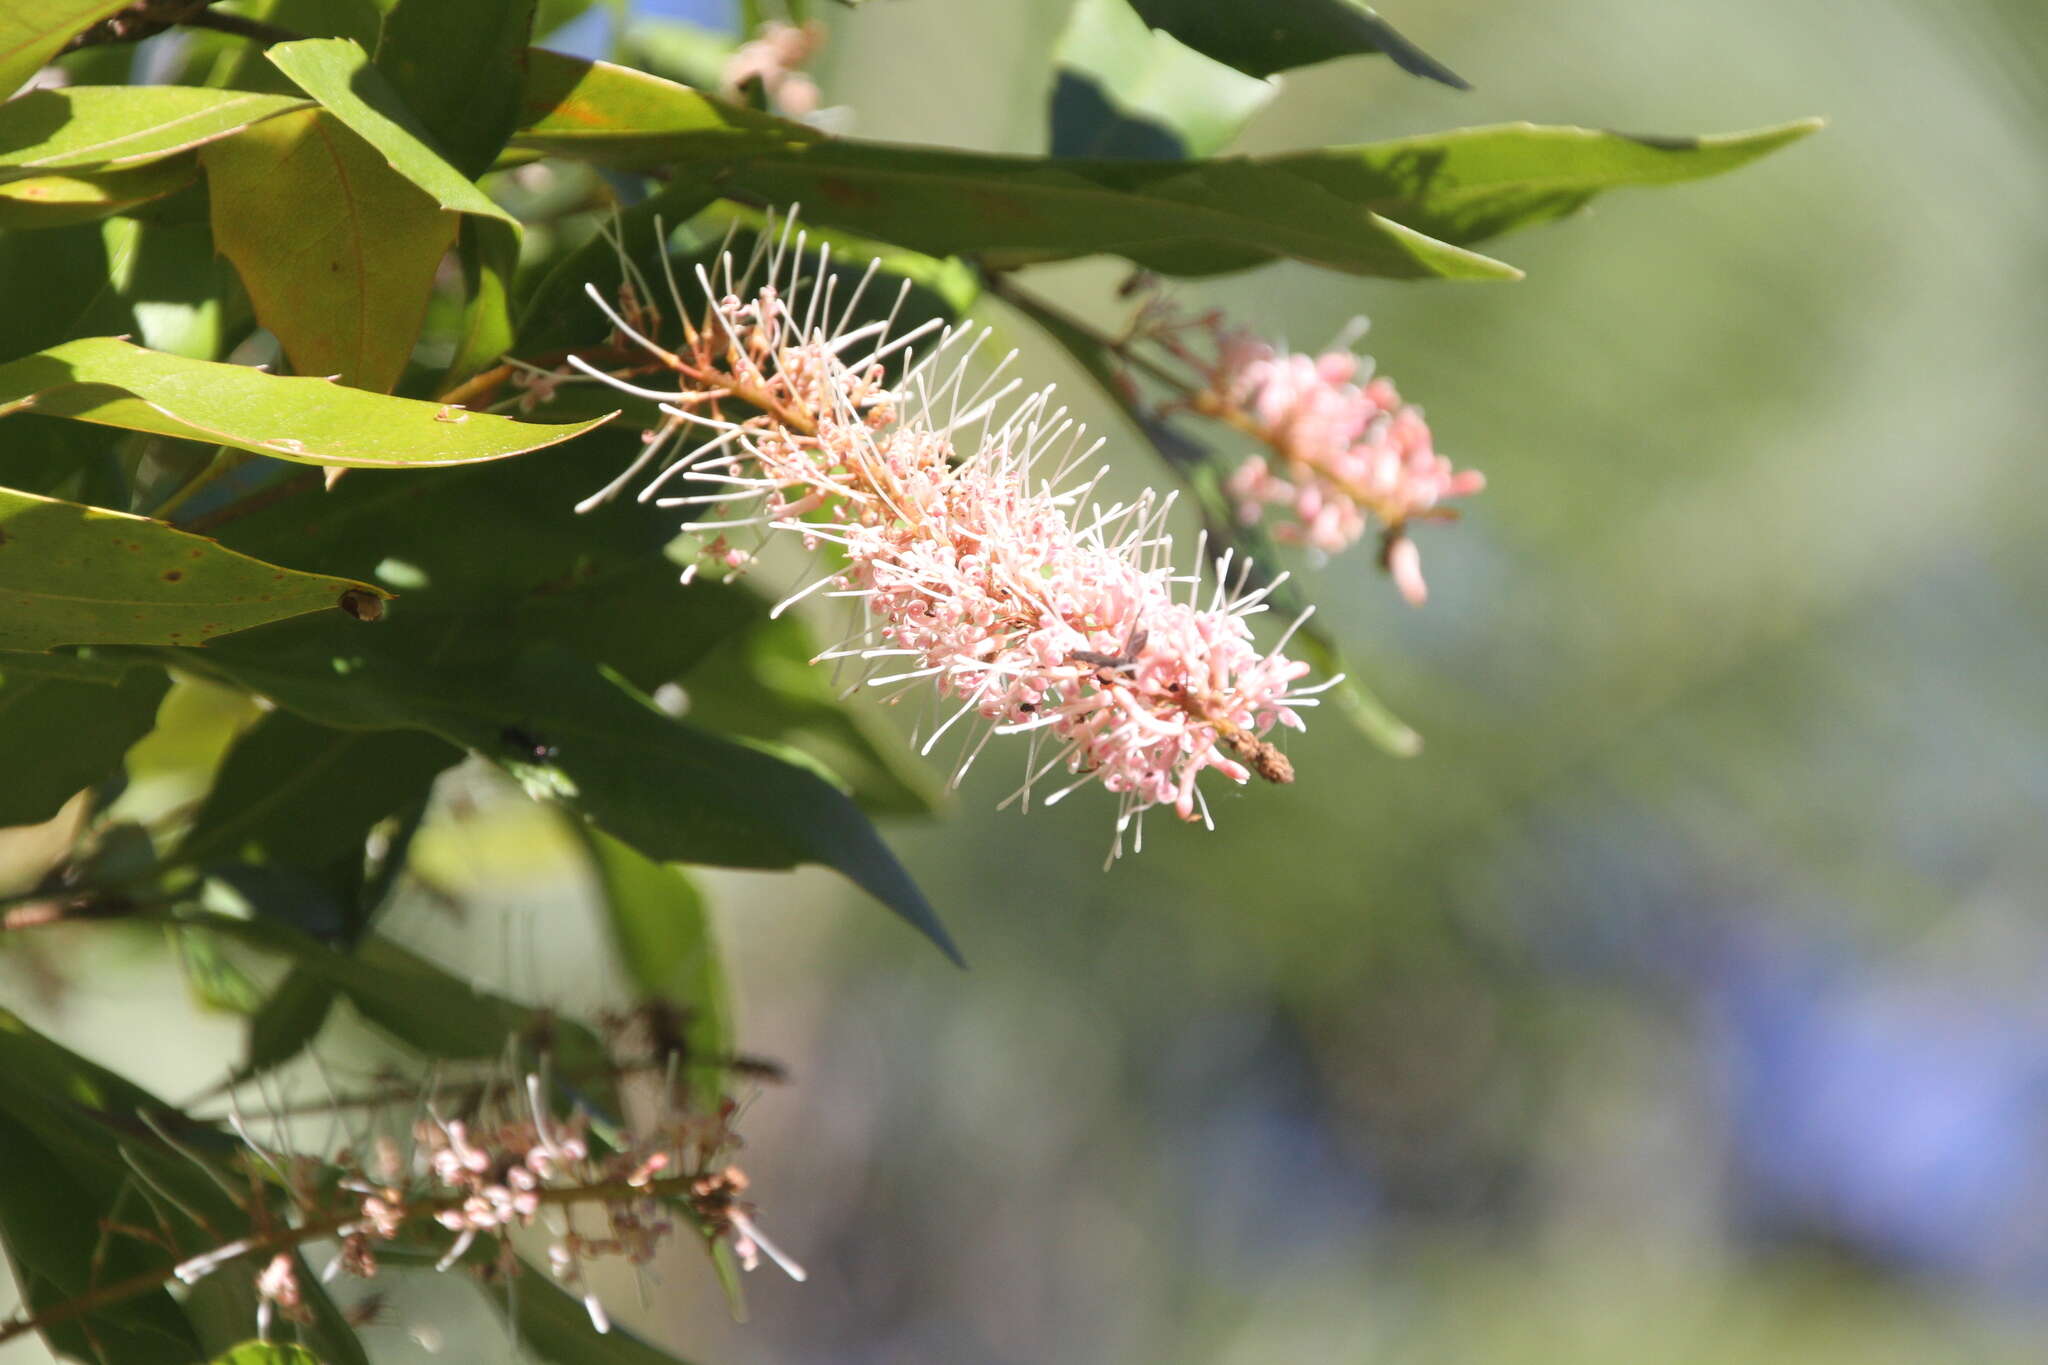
(305, 420)
(661, 935)
(72, 574)
(761, 684)
(676, 793)
(32, 32)
(338, 73)
(1182, 218)
(458, 65)
(60, 199)
(1475, 183)
(121, 127)
(1276, 35)
(1371, 209)
(337, 249)
(60, 735)
(1127, 92)
(301, 795)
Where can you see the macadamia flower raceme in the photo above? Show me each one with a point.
(987, 569)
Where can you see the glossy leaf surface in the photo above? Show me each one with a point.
(309, 421)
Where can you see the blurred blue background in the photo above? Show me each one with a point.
(1682, 1000)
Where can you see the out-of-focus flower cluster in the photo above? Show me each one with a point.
(987, 570)
(1344, 452)
(511, 1163)
(776, 57)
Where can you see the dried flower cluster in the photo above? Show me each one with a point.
(1346, 452)
(986, 568)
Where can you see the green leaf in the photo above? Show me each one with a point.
(72, 574)
(298, 1008)
(554, 1326)
(661, 935)
(266, 1353)
(59, 199)
(40, 275)
(61, 1118)
(112, 128)
(1474, 183)
(490, 257)
(1125, 91)
(308, 421)
(1181, 218)
(49, 1222)
(338, 73)
(173, 284)
(458, 65)
(337, 249)
(59, 735)
(32, 32)
(620, 116)
(440, 535)
(1403, 209)
(761, 684)
(299, 794)
(417, 1002)
(1276, 35)
(674, 792)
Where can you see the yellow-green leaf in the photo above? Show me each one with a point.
(337, 249)
(113, 127)
(33, 31)
(309, 421)
(336, 72)
(73, 575)
(62, 198)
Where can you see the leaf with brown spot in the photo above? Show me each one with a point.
(60, 586)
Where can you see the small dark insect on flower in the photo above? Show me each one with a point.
(1120, 660)
(527, 744)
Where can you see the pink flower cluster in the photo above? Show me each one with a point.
(1347, 452)
(1019, 600)
(776, 58)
